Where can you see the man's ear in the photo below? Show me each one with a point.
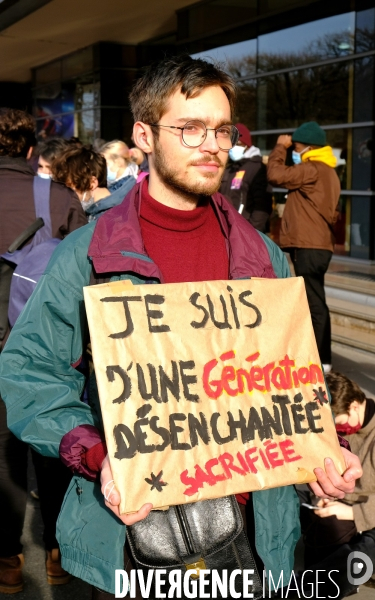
(143, 137)
(94, 184)
(29, 153)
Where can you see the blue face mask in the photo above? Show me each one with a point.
(111, 175)
(296, 156)
(237, 152)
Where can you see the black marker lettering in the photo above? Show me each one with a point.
(125, 394)
(126, 449)
(155, 314)
(193, 300)
(187, 380)
(129, 321)
(258, 319)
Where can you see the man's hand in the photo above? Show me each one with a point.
(112, 497)
(343, 512)
(285, 140)
(331, 484)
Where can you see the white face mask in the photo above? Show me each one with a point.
(45, 175)
(237, 152)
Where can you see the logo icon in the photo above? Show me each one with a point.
(359, 568)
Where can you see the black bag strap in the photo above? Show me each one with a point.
(26, 234)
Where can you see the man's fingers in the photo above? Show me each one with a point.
(330, 483)
(138, 516)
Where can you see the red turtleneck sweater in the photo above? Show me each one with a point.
(187, 245)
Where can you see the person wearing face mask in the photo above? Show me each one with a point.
(48, 152)
(121, 170)
(245, 182)
(309, 216)
(85, 171)
(337, 528)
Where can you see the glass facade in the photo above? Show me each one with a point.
(292, 61)
(323, 70)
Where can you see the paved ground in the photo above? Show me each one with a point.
(357, 365)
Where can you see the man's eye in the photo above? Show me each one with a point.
(223, 132)
(191, 128)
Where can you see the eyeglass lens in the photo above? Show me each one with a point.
(194, 133)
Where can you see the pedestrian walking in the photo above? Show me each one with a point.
(309, 217)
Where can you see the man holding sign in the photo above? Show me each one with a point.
(172, 228)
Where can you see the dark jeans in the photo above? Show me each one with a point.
(312, 265)
(52, 478)
(248, 519)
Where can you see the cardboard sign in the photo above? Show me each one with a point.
(208, 389)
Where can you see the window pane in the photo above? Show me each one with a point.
(239, 59)
(290, 99)
(360, 227)
(246, 104)
(363, 89)
(365, 30)
(310, 42)
(362, 158)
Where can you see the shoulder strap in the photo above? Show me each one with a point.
(25, 235)
(42, 191)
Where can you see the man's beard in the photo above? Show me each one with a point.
(171, 178)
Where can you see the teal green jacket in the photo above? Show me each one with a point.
(42, 389)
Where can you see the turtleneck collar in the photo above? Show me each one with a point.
(172, 219)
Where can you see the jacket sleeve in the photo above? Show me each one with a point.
(289, 177)
(38, 380)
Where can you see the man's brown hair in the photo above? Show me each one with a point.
(343, 392)
(17, 132)
(77, 166)
(150, 94)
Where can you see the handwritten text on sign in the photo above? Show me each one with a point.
(208, 389)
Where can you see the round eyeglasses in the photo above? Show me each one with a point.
(195, 132)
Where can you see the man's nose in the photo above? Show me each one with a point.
(210, 143)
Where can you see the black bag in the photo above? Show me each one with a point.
(202, 535)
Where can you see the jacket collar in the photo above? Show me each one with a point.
(15, 164)
(117, 245)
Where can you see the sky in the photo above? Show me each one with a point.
(292, 39)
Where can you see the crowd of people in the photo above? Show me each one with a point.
(181, 205)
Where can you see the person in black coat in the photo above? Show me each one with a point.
(245, 181)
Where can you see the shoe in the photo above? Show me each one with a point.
(55, 573)
(327, 368)
(11, 580)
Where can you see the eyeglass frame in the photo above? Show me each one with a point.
(206, 128)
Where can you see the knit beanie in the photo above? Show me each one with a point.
(310, 133)
(245, 135)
